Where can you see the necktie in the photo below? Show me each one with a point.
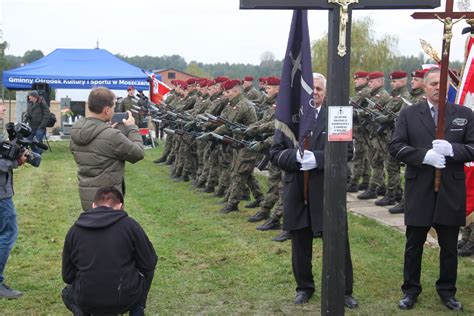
(316, 114)
(434, 113)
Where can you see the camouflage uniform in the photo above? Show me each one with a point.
(253, 95)
(392, 166)
(361, 164)
(378, 150)
(243, 161)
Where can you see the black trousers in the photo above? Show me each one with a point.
(448, 260)
(137, 309)
(302, 255)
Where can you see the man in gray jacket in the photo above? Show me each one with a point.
(100, 150)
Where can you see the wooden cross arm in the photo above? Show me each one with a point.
(323, 4)
(443, 15)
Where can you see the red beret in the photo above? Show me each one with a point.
(173, 82)
(203, 82)
(182, 84)
(273, 81)
(418, 73)
(229, 84)
(221, 79)
(192, 81)
(375, 75)
(361, 74)
(248, 78)
(262, 79)
(398, 74)
(130, 88)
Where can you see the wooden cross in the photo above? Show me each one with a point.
(335, 225)
(448, 18)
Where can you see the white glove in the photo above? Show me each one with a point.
(434, 159)
(298, 157)
(309, 161)
(443, 147)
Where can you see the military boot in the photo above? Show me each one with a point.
(160, 160)
(370, 193)
(253, 204)
(467, 250)
(186, 177)
(398, 209)
(388, 199)
(229, 208)
(352, 187)
(363, 186)
(283, 236)
(219, 193)
(259, 216)
(169, 161)
(271, 223)
(381, 190)
(399, 195)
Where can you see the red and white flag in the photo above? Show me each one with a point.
(465, 97)
(158, 89)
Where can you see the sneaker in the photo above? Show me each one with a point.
(7, 292)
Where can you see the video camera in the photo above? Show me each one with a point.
(18, 143)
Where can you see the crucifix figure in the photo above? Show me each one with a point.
(447, 18)
(334, 223)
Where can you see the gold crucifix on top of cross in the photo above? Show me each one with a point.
(344, 18)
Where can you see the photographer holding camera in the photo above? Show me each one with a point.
(100, 150)
(37, 117)
(8, 224)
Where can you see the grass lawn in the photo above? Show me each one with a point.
(209, 263)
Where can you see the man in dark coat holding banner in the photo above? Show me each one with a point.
(414, 144)
(299, 149)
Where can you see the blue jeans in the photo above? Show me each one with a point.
(8, 231)
(39, 134)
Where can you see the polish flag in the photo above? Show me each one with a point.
(158, 89)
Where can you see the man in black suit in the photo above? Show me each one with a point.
(306, 221)
(414, 144)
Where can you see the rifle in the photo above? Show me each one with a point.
(227, 140)
(182, 132)
(262, 165)
(370, 113)
(383, 109)
(219, 120)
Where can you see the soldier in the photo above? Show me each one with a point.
(250, 93)
(378, 150)
(170, 99)
(266, 127)
(361, 162)
(399, 97)
(417, 94)
(127, 105)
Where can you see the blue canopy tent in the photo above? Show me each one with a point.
(77, 69)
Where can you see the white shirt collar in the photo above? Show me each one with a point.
(431, 105)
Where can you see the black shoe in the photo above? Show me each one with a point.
(407, 302)
(229, 208)
(208, 190)
(397, 209)
(169, 162)
(245, 197)
(386, 200)
(381, 191)
(350, 302)
(302, 297)
(466, 250)
(253, 204)
(368, 194)
(461, 243)
(186, 178)
(352, 188)
(270, 224)
(200, 185)
(363, 186)
(259, 216)
(284, 235)
(452, 304)
(160, 160)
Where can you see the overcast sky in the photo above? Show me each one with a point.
(207, 31)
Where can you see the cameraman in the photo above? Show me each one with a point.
(37, 116)
(8, 224)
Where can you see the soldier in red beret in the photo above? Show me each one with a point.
(399, 99)
(252, 94)
(377, 144)
(360, 164)
(417, 94)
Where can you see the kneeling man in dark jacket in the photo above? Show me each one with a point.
(108, 260)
